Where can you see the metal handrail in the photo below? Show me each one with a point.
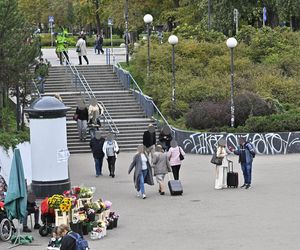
(90, 93)
(104, 109)
(117, 66)
(36, 88)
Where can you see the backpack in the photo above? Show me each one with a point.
(110, 148)
(81, 243)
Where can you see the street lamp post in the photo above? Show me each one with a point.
(231, 44)
(173, 40)
(148, 20)
(126, 32)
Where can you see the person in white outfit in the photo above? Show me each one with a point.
(221, 170)
(110, 150)
(81, 49)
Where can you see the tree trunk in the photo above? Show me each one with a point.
(18, 107)
(97, 17)
(176, 3)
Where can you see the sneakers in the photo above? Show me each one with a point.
(248, 186)
(144, 196)
(37, 226)
(244, 185)
(26, 230)
(162, 193)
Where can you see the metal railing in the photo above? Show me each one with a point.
(79, 79)
(144, 101)
(36, 89)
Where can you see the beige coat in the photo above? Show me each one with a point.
(82, 45)
(161, 163)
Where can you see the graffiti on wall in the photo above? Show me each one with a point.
(266, 143)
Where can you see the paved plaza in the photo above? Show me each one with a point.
(265, 217)
(94, 59)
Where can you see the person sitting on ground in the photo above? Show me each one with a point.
(67, 243)
(32, 208)
(56, 239)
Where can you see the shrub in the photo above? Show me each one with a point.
(274, 123)
(208, 114)
(249, 104)
(9, 137)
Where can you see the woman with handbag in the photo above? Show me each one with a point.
(81, 116)
(221, 170)
(175, 156)
(81, 50)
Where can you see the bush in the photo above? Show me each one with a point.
(9, 137)
(249, 104)
(208, 115)
(285, 122)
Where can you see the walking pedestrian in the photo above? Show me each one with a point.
(174, 158)
(62, 42)
(161, 167)
(81, 50)
(99, 44)
(246, 153)
(81, 116)
(96, 145)
(165, 137)
(95, 112)
(111, 149)
(142, 171)
(221, 170)
(149, 140)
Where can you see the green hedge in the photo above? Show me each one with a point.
(9, 136)
(285, 122)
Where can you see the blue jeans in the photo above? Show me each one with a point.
(247, 172)
(142, 180)
(98, 165)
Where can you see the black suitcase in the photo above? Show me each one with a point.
(232, 177)
(175, 187)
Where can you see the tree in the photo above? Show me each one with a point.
(17, 49)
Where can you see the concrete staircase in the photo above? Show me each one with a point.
(129, 118)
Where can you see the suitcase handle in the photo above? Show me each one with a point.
(230, 166)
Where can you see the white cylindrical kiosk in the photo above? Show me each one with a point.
(49, 150)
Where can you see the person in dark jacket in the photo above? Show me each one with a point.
(149, 140)
(246, 153)
(96, 145)
(67, 243)
(165, 138)
(82, 119)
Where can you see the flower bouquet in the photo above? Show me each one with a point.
(86, 192)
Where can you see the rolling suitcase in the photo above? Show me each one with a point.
(175, 187)
(232, 177)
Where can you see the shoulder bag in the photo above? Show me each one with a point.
(181, 157)
(216, 160)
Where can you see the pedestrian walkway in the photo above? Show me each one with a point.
(265, 217)
(94, 59)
